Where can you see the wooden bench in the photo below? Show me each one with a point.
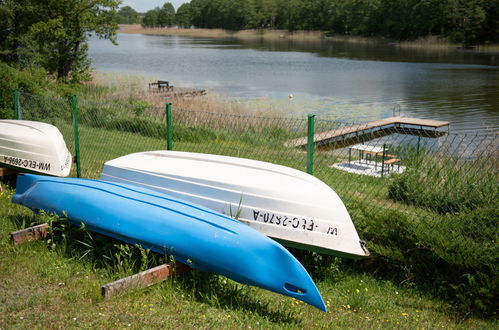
(160, 86)
(369, 155)
(391, 162)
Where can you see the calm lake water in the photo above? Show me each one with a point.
(348, 82)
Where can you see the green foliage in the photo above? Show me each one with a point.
(463, 21)
(127, 15)
(160, 17)
(139, 107)
(436, 253)
(54, 33)
(166, 15)
(183, 15)
(320, 266)
(477, 292)
(100, 251)
(11, 79)
(447, 185)
(150, 18)
(46, 105)
(468, 19)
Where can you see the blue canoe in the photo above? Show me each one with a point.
(195, 235)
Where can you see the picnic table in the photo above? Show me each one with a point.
(366, 152)
(161, 85)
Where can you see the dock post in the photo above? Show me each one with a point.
(17, 104)
(310, 144)
(77, 136)
(169, 128)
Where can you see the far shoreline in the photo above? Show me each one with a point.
(429, 43)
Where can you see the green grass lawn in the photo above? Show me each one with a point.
(42, 287)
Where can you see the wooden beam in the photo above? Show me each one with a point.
(144, 279)
(7, 171)
(29, 234)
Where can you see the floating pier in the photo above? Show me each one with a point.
(349, 135)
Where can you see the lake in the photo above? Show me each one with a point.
(337, 80)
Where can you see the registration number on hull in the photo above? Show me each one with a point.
(293, 222)
(26, 163)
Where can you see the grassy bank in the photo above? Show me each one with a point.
(220, 33)
(429, 43)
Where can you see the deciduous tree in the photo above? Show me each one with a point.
(128, 15)
(183, 15)
(54, 33)
(166, 15)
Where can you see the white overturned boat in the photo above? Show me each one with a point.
(288, 205)
(33, 147)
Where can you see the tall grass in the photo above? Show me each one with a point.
(447, 185)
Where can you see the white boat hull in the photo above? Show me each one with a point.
(34, 147)
(288, 205)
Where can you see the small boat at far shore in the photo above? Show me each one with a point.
(32, 146)
(196, 236)
(288, 205)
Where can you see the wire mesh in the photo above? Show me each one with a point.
(419, 197)
(427, 183)
(52, 110)
(438, 163)
(110, 130)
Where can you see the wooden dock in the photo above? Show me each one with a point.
(167, 90)
(351, 134)
(183, 92)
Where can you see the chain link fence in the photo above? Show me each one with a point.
(415, 195)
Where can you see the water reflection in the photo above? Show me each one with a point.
(344, 81)
(372, 51)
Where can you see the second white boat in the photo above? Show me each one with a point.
(288, 205)
(32, 146)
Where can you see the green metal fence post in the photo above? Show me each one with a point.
(17, 104)
(169, 128)
(417, 150)
(310, 145)
(383, 156)
(77, 138)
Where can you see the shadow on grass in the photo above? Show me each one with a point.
(219, 292)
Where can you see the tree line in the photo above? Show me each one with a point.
(53, 34)
(463, 21)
